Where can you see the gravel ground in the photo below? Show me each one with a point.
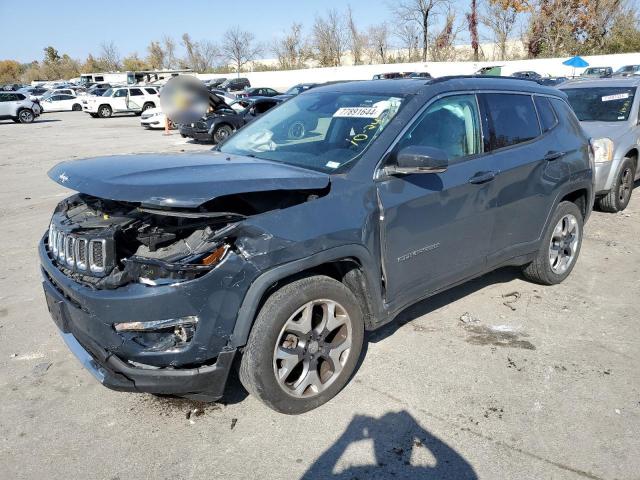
(539, 384)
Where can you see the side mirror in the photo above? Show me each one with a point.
(418, 159)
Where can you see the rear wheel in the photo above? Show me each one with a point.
(560, 246)
(76, 107)
(304, 345)
(147, 106)
(620, 194)
(221, 133)
(25, 116)
(105, 111)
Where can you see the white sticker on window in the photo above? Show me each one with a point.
(360, 112)
(619, 96)
(332, 164)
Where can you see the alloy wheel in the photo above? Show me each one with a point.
(26, 116)
(312, 348)
(564, 244)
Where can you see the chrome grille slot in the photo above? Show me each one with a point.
(69, 250)
(96, 255)
(81, 254)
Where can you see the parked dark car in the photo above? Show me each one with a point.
(164, 269)
(528, 74)
(216, 82)
(297, 90)
(627, 71)
(597, 72)
(12, 87)
(235, 84)
(220, 124)
(258, 92)
(551, 81)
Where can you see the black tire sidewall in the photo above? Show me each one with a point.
(563, 209)
(258, 356)
(216, 133)
(20, 115)
(627, 163)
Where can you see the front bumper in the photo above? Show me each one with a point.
(85, 318)
(602, 176)
(196, 134)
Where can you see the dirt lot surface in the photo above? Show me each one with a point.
(533, 383)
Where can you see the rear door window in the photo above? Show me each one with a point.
(135, 92)
(547, 116)
(512, 119)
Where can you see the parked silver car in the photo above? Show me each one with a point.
(609, 111)
(18, 107)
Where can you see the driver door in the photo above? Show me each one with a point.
(436, 227)
(119, 100)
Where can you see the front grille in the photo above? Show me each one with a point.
(89, 255)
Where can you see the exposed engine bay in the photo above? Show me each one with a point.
(106, 244)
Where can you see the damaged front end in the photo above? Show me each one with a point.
(107, 244)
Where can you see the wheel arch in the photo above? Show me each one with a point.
(580, 197)
(352, 265)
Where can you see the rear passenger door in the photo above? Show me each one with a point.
(529, 165)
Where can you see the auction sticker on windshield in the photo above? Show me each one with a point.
(619, 96)
(360, 112)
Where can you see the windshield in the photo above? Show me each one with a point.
(320, 131)
(602, 104)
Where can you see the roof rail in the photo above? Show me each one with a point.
(491, 77)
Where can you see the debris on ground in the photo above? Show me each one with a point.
(467, 317)
(233, 423)
(193, 413)
(512, 297)
(41, 368)
(14, 355)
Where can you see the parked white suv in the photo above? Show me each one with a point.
(18, 107)
(121, 100)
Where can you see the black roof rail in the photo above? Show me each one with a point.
(490, 77)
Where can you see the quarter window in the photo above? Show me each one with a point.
(450, 124)
(547, 116)
(512, 118)
(151, 91)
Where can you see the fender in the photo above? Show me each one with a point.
(251, 302)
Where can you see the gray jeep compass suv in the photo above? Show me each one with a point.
(277, 252)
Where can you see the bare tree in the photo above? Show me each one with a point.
(239, 47)
(378, 36)
(329, 39)
(200, 56)
(500, 17)
(291, 50)
(356, 39)
(409, 36)
(422, 13)
(155, 55)
(109, 56)
(472, 20)
(169, 51)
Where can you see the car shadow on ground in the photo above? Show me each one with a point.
(11, 122)
(424, 307)
(401, 449)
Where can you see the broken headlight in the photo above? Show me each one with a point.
(156, 271)
(160, 335)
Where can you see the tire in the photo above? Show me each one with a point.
(221, 133)
(94, 115)
(310, 379)
(620, 194)
(147, 106)
(76, 107)
(562, 236)
(26, 116)
(104, 111)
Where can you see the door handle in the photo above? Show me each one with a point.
(482, 177)
(550, 156)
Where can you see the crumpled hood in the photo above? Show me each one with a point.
(612, 130)
(183, 180)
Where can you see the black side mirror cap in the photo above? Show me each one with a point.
(418, 159)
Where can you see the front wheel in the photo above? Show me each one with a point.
(221, 133)
(620, 194)
(560, 246)
(105, 111)
(76, 107)
(304, 345)
(26, 116)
